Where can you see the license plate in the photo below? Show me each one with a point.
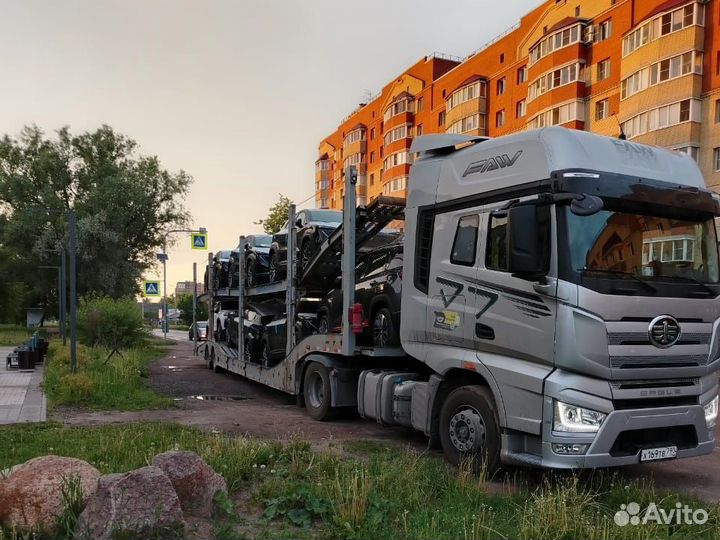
(653, 454)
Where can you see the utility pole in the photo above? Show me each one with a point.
(194, 323)
(72, 247)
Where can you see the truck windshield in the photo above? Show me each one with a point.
(646, 249)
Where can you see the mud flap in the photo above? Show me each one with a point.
(344, 384)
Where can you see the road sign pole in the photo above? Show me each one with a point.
(63, 298)
(194, 323)
(165, 319)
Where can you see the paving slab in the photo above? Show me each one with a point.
(21, 395)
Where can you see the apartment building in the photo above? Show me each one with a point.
(187, 287)
(649, 70)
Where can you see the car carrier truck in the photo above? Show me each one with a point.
(559, 305)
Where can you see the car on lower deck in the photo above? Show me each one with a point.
(313, 228)
(378, 286)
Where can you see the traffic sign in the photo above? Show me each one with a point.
(151, 288)
(198, 240)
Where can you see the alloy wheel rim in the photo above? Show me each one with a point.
(381, 329)
(467, 429)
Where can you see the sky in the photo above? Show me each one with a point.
(236, 93)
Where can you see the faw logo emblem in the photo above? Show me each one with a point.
(492, 163)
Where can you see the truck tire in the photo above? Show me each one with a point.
(469, 428)
(317, 393)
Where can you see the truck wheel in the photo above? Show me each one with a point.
(469, 428)
(306, 253)
(323, 325)
(317, 393)
(383, 329)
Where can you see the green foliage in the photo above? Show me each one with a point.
(11, 335)
(184, 304)
(277, 215)
(124, 203)
(393, 493)
(300, 506)
(113, 324)
(72, 505)
(98, 384)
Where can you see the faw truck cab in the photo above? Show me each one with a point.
(562, 290)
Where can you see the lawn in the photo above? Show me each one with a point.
(115, 383)
(365, 490)
(12, 335)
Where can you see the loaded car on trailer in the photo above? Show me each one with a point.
(559, 305)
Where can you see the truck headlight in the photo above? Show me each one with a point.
(576, 419)
(711, 412)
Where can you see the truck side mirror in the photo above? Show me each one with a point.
(529, 241)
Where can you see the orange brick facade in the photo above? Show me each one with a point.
(648, 68)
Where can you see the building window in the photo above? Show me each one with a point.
(555, 79)
(420, 104)
(396, 108)
(394, 185)
(500, 118)
(520, 109)
(553, 42)
(522, 75)
(395, 159)
(496, 249)
(441, 118)
(372, 134)
(663, 25)
(692, 151)
(465, 244)
(659, 72)
(577, 11)
(717, 111)
(501, 86)
(354, 136)
(716, 159)
(602, 109)
(469, 123)
(603, 31)
(372, 179)
(466, 93)
(372, 157)
(662, 117)
(395, 134)
(603, 69)
(569, 112)
(419, 130)
(354, 159)
(502, 58)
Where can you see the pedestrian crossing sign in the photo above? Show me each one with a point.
(151, 288)
(198, 241)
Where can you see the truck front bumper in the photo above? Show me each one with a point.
(624, 434)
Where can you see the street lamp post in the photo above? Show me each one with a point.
(163, 257)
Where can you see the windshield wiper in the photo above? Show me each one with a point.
(708, 290)
(619, 273)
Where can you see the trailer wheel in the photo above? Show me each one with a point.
(469, 428)
(317, 393)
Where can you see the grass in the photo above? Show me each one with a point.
(117, 383)
(12, 335)
(291, 491)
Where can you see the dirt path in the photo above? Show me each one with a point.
(237, 405)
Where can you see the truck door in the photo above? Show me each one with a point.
(451, 310)
(514, 329)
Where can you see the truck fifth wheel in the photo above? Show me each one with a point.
(559, 305)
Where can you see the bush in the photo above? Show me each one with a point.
(77, 386)
(106, 322)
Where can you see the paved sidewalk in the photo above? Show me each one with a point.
(21, 398)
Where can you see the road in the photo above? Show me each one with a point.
(229, 403)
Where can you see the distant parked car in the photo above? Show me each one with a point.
(313, 228)
(201, 329)
(256, 249)
(378, 275)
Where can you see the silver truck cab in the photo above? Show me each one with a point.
(573, 279)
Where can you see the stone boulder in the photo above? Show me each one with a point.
(194, 481)
(137, 504)
(31, 495)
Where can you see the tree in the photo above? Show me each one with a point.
(124, 203)
(277, 215)
(115, 324)
(184, 304)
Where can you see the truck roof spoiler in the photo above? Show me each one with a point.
(443, 144)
